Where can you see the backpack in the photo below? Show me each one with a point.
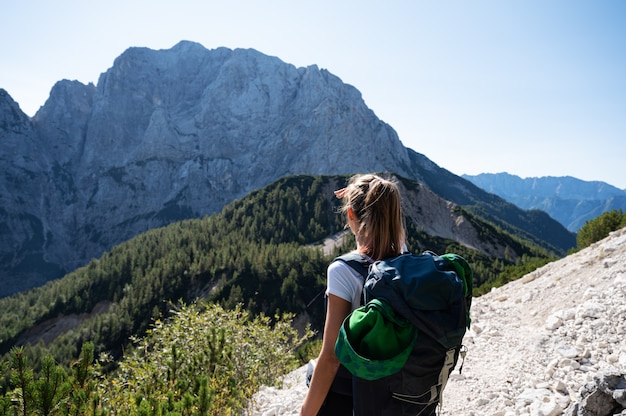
(432, 295)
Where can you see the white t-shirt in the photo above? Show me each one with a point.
(344, 282)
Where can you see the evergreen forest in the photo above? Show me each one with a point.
(258, 262)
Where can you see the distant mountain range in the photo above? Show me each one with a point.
(568, 200)
(172, 134)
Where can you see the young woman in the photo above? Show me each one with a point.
(373, 213)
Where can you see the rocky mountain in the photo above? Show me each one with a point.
(178, 133)
(550, 343)
(569, 200)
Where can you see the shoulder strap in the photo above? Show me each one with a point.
(357, 262)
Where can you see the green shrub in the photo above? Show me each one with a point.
(309, 351)
(206, 360)
(598, 228)
(203, 361)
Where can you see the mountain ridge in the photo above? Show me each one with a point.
(569, 200)
(179, 133)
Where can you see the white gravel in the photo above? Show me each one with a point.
(533, 344)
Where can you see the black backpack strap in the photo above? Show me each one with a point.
(342, 383)
(357, 262)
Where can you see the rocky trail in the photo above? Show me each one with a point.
(548, 344)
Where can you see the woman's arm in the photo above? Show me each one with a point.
(327, 362)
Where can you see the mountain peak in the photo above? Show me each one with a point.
(11, 116)
(187, 46)
(177, 133)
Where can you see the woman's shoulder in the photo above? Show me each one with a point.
(353, 263)
(337, 265)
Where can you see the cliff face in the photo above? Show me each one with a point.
(173, 134)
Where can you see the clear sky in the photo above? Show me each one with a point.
(530, 87)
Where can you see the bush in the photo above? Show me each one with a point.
(52, 392)
(309, 351)
(205, 360)
(598, 228)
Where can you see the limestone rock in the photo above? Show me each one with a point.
(172, 134)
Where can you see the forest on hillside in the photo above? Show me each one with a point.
(261, 252)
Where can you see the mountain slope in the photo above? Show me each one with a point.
(541, 345)
(570, 201)
(179, 133)
(258, 251)
(533, 224)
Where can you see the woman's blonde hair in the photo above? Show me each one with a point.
(376, 203)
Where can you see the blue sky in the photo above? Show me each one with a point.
(534, 88)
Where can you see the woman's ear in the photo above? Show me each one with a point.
(351, 215)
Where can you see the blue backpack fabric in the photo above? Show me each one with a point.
(434, 294)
